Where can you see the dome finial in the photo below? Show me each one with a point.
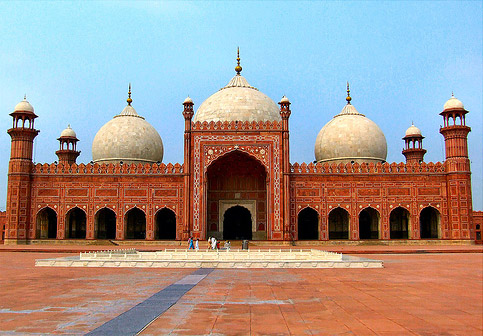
(348, 95)
(129, 100)
(238, 68)
(452, 94)
(25, 97)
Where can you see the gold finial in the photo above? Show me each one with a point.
(452, 94)
(25, 96)
(348, 95)
(129, 100)
(238, 68)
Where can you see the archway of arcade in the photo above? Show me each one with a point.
(339, 224)
(399, 221)
(75, 224)
(369, 220)
(429, 223)
(308, 224)
(236, 179)
(105, 224)
(135, 224)
(165, 224)
(237, 223)
(46, 223)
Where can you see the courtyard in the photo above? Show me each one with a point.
(414, 294)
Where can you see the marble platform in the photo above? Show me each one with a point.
(234, 258)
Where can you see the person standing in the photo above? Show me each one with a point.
(191, 244)
(213, 243)
(197, 244)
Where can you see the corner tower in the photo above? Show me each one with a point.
(413, 145)
(457, 166)
(23, 134)
(68, 152)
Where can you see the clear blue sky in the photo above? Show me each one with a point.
(74, 61)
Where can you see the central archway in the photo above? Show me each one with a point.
(237, 223)
(236, 178)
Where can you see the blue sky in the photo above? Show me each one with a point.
(74, 61)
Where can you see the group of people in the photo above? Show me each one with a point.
(193, 244)
(212, 243)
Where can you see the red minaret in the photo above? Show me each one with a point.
(67, 152)
(457, 166)
(413, 145)
(23, 134)
(285, 114)
(188, 115)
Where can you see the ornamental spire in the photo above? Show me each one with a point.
(348, 95)
(129, 100)
(238, 68)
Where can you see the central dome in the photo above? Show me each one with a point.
(238, 101)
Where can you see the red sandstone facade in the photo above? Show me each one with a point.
(231, 168)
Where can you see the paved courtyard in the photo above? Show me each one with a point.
(415, 294)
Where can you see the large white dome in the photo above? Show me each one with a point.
(350, 137)
(238, 101)
(127, 138)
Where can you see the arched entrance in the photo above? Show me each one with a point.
(237, 223)
(135, 221)
(165, 224)
(105, 223)
(369, 223)
(429, 220)
(236, 178)
(308, 224)
(75, 224)
(339, 224)
(399, 222)
(47, 223)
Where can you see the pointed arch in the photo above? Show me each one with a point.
(75, 223)
(369, 223)
(400, 223)
(339, 223)
(165, 220)
(430, 223)
(47, 223)
(237, 223)
(135, 224)
(105, 223)
(308, 224)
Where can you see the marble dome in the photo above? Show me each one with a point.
(350, 137)
(238, 101)
(452, 103)
(413, 130)
(24, 106)
(127, 138)
(68, 132)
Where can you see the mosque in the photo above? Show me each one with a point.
(237, 181)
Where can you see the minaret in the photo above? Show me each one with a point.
(67, 152)
(188, 115)
(413, 145)
(20, 165)
(457, 167)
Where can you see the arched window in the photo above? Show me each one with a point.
(308, 224)
(339, 224)
(165, 224)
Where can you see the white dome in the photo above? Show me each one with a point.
(452, 103)
(24, 106)
(238, 101)
(350, 136)
(68, 132)
(413, 130)
(188, 100)
(127, 138)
